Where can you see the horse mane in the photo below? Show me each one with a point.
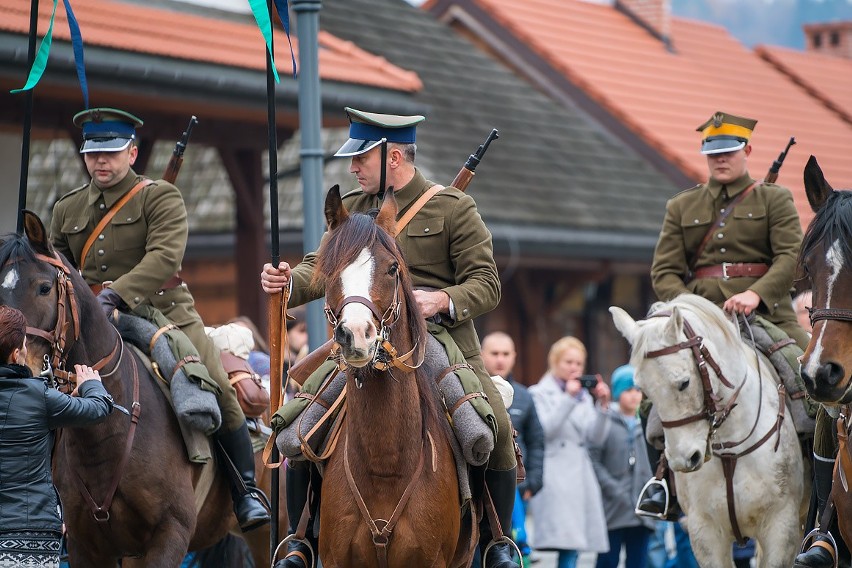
(705, 311)
(833, 222)
(15, 248)
(341, 248)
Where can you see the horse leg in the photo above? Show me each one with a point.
(85, 555)
(711, 545)
(779, 538)
(166, 549)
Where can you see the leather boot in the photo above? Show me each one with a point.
(501, 485)
(298, 554)
(822, 552)
(249, 501)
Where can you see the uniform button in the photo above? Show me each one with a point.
(100, 237)
(173, 303)
(103, 267)
(749, 215)
(722, 224)
(776, 304)
(102, 206)
(720, 235)
(465, 312)
(723, 249)
(696, 221)
(722, 210)
(76, 227)
(136, 298)
(426, 230)
(129, 219)
(101, 252)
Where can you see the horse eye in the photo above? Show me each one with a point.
(44, 289)
(393, 269)
(682, 386)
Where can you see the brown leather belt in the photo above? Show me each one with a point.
(728, 270)
(172, 282)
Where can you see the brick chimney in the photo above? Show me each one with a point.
(831, 38)
(653, 15)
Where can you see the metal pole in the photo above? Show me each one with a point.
(310, 121)
(28, 119)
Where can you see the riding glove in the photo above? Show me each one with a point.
(110, 301)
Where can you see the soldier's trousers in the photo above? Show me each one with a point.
(503, 455)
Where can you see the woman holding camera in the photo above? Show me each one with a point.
(568, 511)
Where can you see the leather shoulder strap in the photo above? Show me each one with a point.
(418, 205)
(720, 219)
(116, 207)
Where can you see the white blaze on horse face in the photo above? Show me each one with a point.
(11, 280)
(356, 280)
(834, 259)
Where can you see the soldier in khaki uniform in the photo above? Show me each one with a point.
(448, 249)
(136, 259)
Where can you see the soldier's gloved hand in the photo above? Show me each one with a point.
(110, 301)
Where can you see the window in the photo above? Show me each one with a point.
(817, 40)
(835, 39)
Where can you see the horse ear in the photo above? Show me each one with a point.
(36, 233)
(624, 323)
(387, 214)
(335, 212)
(674, 327)
(816, 188)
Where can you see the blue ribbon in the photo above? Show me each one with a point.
(40, 61)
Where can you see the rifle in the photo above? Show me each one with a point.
(772, 174)
(176, 160)
(467, 172)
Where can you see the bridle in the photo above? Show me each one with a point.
(836, 314)
(716, 416)
(58, 337)
(385, 355)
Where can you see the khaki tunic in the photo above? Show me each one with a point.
(139, 250)
(763, 228)
(447, 247)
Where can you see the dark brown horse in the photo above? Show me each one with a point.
(826, 261)
(390, 494)
(127, 490)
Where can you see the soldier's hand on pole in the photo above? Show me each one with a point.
(274, 279)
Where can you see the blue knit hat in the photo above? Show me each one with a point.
(622, 380)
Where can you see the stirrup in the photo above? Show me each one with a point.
(664, 486)
(811, 537)
(510, 542)
(288, 538)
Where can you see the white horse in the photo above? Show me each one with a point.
(721, 409)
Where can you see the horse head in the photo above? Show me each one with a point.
(366, 282)
(826, 263)
(673, 356)
(40, 282)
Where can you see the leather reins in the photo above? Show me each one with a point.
(716, 416)
(60, 349)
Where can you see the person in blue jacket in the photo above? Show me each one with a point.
(30, 519)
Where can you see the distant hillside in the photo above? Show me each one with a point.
(775, 22)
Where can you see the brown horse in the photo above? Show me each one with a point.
(390, 494)
(826, 261)
(126, 484)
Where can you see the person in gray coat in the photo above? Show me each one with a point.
(498, 354)
(617, 449)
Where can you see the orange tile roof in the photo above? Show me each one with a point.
(825, 77)
(663, 95)
(165, 33)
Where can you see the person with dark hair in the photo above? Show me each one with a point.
(30, 520)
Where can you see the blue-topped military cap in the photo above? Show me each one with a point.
(366, 130)
(106, 129)
(725, 133)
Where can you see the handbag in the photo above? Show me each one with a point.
(253, 398)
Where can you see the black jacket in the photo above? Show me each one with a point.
(530, 436)
(29, 412)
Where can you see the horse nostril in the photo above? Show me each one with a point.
(342, 335)
(830, 373)
(695, 459)
(807, 379)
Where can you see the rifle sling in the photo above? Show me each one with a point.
(116, 207)
(716, 225)
(418, 205)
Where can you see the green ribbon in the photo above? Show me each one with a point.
(40, 62)
(261, 16)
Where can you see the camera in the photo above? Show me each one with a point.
(589, 381)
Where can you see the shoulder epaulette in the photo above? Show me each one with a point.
(352, 193)
(696, 186)
(73, 191)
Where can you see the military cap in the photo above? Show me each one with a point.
(106, 129)
(725, 133)
(367, 129)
